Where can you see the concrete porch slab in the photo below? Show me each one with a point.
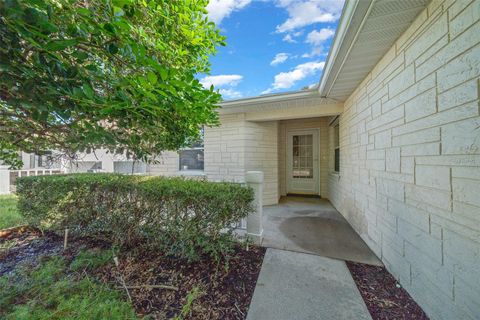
(314, 226)
(294, 285)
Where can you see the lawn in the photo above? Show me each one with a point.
(9, 215)
(56, 289)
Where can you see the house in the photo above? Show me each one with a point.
(33, 164)
(391, 136)
(104, 161)
(50, 162)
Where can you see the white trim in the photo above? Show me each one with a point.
(334, 121)
(283, 96)
(194, 148)
(199, 173)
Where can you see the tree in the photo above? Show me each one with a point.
(77, 75)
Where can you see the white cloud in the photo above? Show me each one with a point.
(220, 9)
(269, 90)
(316, 51)
(221, 80)
(318, 37)
(279, 58)
(290, 37)
(230, 93)
(302, 13)
(225, 84)
(285, 80)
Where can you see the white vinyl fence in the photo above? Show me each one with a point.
(8, 177)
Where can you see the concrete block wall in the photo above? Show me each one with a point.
(225, 149)
(320, 123)
(238, 146)
(409, 179)
(261, 154)
(224, 153)
(167, 164)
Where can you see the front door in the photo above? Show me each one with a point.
(302, 162)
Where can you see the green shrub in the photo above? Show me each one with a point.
(185, 218)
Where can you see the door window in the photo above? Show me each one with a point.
(302, 164)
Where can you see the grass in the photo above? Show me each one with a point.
(9, 215)
(54, 290)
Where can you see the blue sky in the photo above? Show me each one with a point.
(272, 45)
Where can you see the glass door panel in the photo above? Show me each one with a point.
(302, 151)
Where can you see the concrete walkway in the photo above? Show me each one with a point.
(312, 225)
(299, 286)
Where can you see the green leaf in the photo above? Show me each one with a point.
(118, 12)
(84, 12)
(87, 89)
(109, 27)
(121, 3)
(152, 77)
(164, 74)
(77, 93)
(57, 45)
(81, 55)
(112, 48)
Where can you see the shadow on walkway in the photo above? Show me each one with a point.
(313, 226)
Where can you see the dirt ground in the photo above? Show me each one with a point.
(159, 286)
(384, 297)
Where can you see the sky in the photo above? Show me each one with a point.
(272, 45)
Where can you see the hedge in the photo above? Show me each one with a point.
(182, 217)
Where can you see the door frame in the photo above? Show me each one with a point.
(289, 159)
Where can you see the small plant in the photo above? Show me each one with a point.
(193, 295)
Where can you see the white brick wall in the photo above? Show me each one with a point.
(167, 164)
(410, 158)
(231, 149)
(225, 149)
(261, 154)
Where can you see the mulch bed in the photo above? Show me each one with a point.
(383, 295)
(224, 289)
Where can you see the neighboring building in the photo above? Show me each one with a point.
(391, 137)
(99, 161)
(103, 161)
(51, 163)
(33, 164)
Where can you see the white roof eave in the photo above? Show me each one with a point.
(277, 97)
(345, 24)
